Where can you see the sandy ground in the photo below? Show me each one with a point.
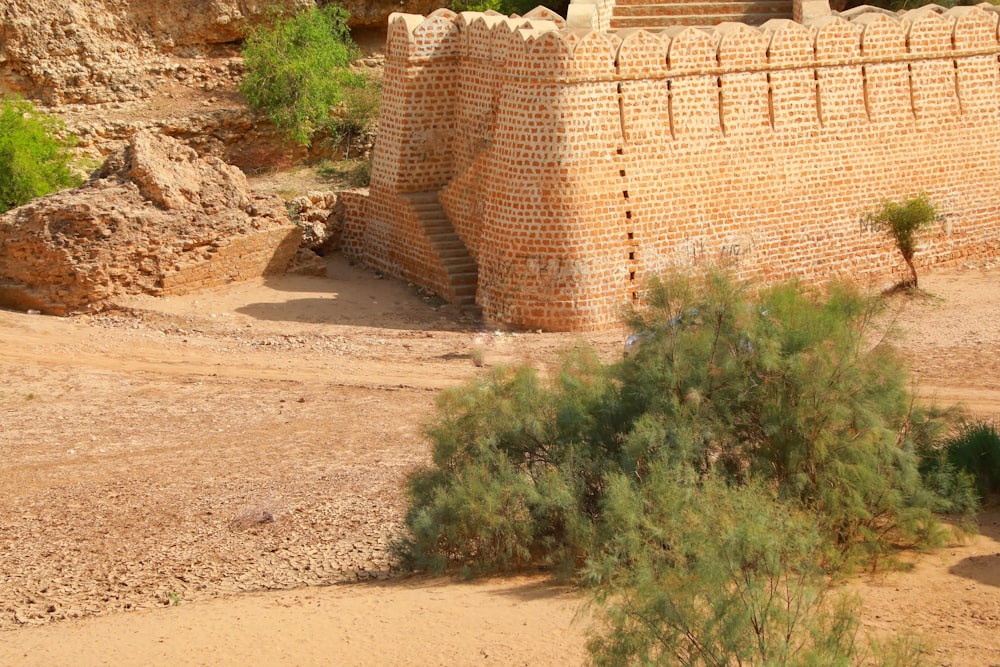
(215, 479)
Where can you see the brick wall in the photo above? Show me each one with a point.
(574, 164)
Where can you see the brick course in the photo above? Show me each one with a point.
(575, 163)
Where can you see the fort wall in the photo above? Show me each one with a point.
(574, 164)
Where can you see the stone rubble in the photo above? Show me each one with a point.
(155, 219)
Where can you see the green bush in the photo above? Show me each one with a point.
(699, 572)
(298, 69)
(703, 485)
(510, 481)
(903, 221)
(975, 451)
(509, 7)
(34, 155)
(784, 387)
(353, 120)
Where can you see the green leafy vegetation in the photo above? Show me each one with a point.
(972, 456)
(299, 74)
(35, 153)
(353, 173)
(508, 7)
(701, 572)
(903, 221)
(354, 119)
(784, 387)
(748, 444)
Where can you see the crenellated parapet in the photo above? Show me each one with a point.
(572, 162)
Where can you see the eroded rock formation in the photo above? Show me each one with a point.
(95, 51)
(155, 219)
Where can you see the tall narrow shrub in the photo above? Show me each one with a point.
(903, 221)
(782, 386)
(298, 69)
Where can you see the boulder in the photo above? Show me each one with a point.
(154, 219)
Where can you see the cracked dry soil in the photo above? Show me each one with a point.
(178, 453)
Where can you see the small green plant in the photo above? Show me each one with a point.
(355, 172)
(175, 598)
(478, 356)
(501, 6)
(35, 153)
(298, 69)
(508, 7)
(903, 221)
(975, 450)
(354, 119)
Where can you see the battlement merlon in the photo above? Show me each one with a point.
(573, 161)
(926, 33)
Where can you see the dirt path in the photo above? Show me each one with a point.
(410, 622)
(174, 460)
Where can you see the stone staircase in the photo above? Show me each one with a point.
(654, 14)
(460, 267)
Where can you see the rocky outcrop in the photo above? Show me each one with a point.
(321, 219)
(155, 219)
(375, 13)
(60, 51)
(320, 216)
(96, 51)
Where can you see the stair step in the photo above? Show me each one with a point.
(703, 9)
(414, 197)
(462, 264)
(701, 20)
(451, 253)
(440, 231)
(464, 279)
(426, 210)
(459, 266)
(449, 244)
(462, 273)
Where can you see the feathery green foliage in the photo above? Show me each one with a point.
(975, 452)
(784, 387)
(508, 7)
(699, 572)
(704, 484)
(34, 159)
(902, 221)
(298, 69)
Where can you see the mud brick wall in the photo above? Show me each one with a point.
(576, 163)
(239, 258)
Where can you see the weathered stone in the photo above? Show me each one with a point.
(155, 219)
(305, 262)
(318, 215)
(94, 51)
